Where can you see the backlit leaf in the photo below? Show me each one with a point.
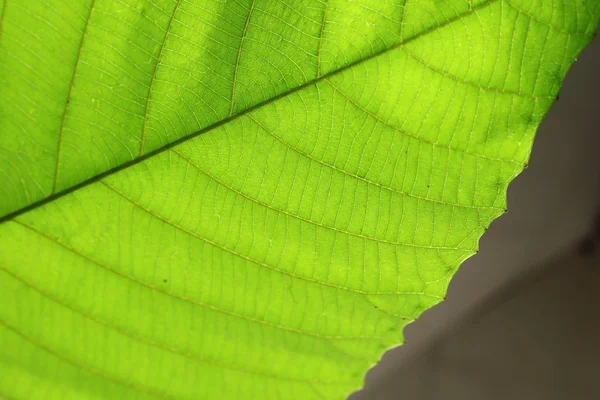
(250, 199)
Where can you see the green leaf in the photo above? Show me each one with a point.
(250, 199)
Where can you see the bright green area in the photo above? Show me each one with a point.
(352, 154)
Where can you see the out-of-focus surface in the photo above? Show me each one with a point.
(543, 339)
(541, 343)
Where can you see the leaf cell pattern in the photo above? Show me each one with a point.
(251, 199)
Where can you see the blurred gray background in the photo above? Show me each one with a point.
(522, 317)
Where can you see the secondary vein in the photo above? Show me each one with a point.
(239, 54)
(153, 79)
(66, 109)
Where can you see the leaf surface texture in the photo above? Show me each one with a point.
(251, 199)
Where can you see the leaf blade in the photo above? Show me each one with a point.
(304, 232)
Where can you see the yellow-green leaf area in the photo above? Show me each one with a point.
(250, 198)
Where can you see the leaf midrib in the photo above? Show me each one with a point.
(224, 121)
